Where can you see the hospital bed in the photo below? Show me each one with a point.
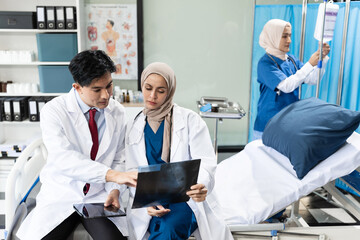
(259, 182)
(22, 187)
(250, 186)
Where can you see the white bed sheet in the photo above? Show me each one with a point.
(259, 181)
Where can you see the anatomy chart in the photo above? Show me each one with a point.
(113, 29)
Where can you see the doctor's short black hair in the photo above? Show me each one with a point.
(89, 65)
(111, 22)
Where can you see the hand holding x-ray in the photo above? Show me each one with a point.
(197, 192)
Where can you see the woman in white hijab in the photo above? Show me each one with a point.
(164, 132)
(280, 74)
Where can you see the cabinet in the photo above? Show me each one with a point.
(19, 72)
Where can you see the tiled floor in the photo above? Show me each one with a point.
(317, 211)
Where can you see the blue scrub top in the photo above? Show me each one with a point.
(180, 223)
(269, 77)
(153, 144)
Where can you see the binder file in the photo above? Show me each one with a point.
(60, 18)
(70, 17)
(17, 110)
(20, 108)
(50, 17)
(8, 110)
(33, 110)
(41, 17)
(41, 102)
(2, 112)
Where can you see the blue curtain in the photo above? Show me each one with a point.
(328, 85)
(351, 95)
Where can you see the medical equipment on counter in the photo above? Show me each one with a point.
(11, 150)
(220, 101)
(221, 108)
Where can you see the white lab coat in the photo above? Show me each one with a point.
(68, 140)
(190, 140)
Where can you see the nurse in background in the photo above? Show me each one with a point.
(164, 132)
(280, 74)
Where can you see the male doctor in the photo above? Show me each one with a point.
(83, 132)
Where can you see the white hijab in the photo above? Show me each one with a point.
(271, 35)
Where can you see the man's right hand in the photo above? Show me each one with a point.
(127, 178)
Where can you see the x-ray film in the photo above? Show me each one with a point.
(165, 183)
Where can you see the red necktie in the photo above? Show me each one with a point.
(95, 139)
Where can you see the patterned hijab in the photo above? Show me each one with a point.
(156, 116)
(271, 35)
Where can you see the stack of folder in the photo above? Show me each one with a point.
(59, 17)
(21, 108)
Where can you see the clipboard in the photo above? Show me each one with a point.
(162, 184)
(97, 210)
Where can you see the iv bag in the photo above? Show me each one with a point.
(330, 19)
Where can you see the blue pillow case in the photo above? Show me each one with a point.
(308, 131)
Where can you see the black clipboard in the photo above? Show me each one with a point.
(97, 210)
(162, 184)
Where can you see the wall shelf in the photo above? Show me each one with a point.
(29, 94)
(38, 31)
(36, 63)
(20, 123)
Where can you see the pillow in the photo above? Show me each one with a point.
(308, 131)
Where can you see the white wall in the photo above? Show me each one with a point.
(209, 44)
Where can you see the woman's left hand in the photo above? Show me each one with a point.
(197, 192)
(157, 211)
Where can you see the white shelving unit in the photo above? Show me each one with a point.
(36, 63)
(38, 31)
(25, 39)
(30, 94)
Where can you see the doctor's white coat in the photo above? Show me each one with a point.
(67, 138)
(190, 140)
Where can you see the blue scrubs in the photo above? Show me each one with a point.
(269, 76)
(180, 223)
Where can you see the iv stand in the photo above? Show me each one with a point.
(342, 57)
(320, 55)
(302, 36)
